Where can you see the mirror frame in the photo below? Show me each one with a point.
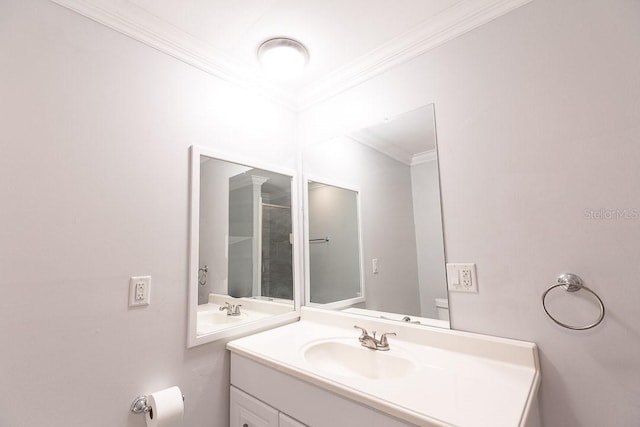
(307, 249)
(193, 339)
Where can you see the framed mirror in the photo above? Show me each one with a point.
(394, 167)
(334, 256)
(242, 246)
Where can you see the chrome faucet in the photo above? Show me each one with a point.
(232, 309)
(371, 342)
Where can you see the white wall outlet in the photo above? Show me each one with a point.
(139, 290)
(375, 268)
(462, 277)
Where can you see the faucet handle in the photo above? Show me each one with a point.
(364, 332)
(383, 339)
(236, 309)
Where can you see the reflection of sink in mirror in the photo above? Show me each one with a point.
(253, 304)
(346, 357)
(211, 319)
(215, 315)
(427, 321)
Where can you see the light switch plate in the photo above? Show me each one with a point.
(462, 277)
(139, 290)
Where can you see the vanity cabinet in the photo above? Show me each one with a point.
(247, 411)
(262, 396)
(316, 372)
(286, 421)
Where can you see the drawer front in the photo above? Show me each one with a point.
(247, 411)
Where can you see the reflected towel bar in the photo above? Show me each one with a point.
(323, 240)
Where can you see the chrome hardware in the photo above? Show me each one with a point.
(371, 342)
(321, 240)
(364, 333)
(232, 309)
(572, 283)
(383, 343)
(139, 405)
(202, 275)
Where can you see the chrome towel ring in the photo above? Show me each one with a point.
(572, 283)
(202, 275)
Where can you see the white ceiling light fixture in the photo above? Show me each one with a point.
(283, 57)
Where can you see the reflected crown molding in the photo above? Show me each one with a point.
(241, 181)
(424, 157)
(382, 146)
(137, 23)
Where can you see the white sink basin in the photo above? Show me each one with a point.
(211, 319)
(346, 357)
(217, 317)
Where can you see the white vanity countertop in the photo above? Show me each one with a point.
(462, 379)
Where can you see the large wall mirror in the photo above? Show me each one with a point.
(374, 238)
(242, 246)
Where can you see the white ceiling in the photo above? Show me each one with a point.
(349, 41)
(336, 32)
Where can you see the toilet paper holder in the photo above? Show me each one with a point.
(139, 405)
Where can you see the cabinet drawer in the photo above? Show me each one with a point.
(247, 411)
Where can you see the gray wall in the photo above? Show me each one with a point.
(94, 180)
(427, 216)
(538, 118)
(334, 266)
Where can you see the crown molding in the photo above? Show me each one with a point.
(244, 180)
(424, 157)
(135, 22)
(381, 146)
(459, 19)
(447, 25)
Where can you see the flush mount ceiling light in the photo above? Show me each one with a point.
(283, 57)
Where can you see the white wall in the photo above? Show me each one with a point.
(538, 117)
(95, 130)
(427, 216)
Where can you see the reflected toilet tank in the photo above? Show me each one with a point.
(442, 308)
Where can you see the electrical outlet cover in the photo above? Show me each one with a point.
(139, 290)
(462, 277)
